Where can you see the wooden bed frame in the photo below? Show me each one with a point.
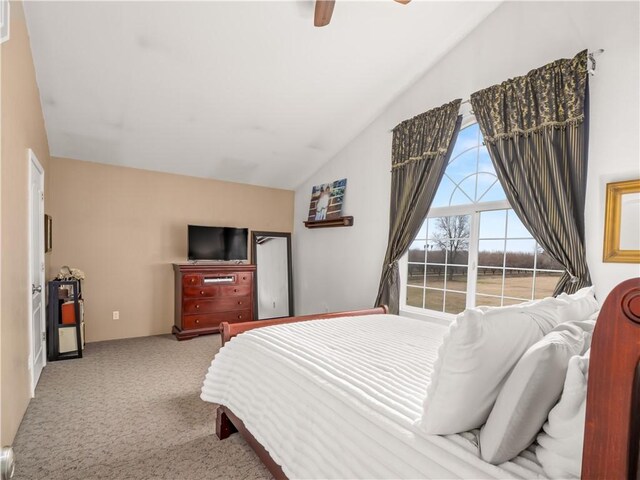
(612, 427)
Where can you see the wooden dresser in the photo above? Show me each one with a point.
(207, 295)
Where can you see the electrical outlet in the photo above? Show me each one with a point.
(116, 315)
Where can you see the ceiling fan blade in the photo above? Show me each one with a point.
(403, 2)
(324, 9)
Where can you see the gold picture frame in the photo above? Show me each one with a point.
(621, 229)
(48, 233)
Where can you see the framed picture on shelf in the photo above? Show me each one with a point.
(327, 200)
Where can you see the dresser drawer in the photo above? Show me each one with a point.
(245, 278)
(215, 304)
(190, 322)
(191, 280)
(226, 291)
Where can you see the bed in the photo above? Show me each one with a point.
(311, 406)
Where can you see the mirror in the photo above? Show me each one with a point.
(271, 253)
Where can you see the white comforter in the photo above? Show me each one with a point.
(340, 398)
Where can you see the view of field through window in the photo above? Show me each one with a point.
(511, 266)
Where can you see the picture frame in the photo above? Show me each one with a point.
(622, 222)
(327, 200)
(5, 8)
(48, 233)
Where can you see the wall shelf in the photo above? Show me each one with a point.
(334, 222)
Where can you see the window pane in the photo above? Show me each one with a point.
(515, 228)
(489, 281)
(485, 182)
(435, 276)
(492, 223)
(433, 299)
(422, 233)
(415, 274)
(458, 252)
(494, 194)
(455, 302)
(455, 226)
(457, 278)
(467, 138)
(491, 253)
(546, 262)
(460, 198)
(484, 301)
(436, 252)
(518, 285)
(416, 251)
(484, 161)
(414, 296)
(546, 283)
(433, 227)
(520, 253)
(445, 189)
(462, 166)
(468, 186)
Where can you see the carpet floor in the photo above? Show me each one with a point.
(130, 409)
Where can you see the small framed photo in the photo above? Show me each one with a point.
(622, 223)
(326, 200)
(48, 235)
(4, 20)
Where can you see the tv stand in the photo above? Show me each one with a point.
(207, 294)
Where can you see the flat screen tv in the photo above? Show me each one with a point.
(217, 243)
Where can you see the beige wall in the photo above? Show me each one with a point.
(22, 128)
(124, 227)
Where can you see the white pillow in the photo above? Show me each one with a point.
(531, 390)
(480, 349)
(559, 449)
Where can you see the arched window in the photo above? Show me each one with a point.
(472, 249)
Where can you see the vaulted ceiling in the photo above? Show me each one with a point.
(241, 91)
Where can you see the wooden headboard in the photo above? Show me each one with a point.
(613, 393)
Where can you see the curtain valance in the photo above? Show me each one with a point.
(552, 96)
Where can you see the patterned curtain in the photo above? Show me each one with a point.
(421, 149)
(536, 130)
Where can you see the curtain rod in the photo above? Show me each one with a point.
(591, 56)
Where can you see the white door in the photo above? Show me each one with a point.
(36, 270)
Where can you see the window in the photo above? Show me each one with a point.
(472, 249)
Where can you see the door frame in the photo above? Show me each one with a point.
(35, 164)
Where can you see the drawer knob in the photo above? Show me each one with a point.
(239, 316)
(193, 280)
(239, 303)
(244, 278)
(201, 292)
(197, 321)
(235, 289)
(197, 306)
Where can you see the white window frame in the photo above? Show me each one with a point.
(473, 210)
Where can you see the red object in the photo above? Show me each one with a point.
(68, 313)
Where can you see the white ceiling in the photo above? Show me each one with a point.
(242, 91)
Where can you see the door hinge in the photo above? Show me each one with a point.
(44, 336)
(41, 195)
(42, 267)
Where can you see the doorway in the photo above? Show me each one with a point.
(37, 326)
